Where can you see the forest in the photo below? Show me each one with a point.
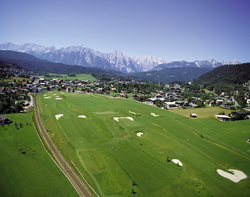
(227, 74)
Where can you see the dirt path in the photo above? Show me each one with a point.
(75, 180)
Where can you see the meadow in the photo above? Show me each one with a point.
(11, 79)
(78, 77)
(25, 168)
(202, 112)
(111, 156)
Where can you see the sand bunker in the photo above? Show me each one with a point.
(177, 161)
(154, 114)
(81, 116)
(47, 97)
(236, 177)
(58, 98)
(139, 134)
(117, 119)
(132, 112)
(54, 94)
(58, 116)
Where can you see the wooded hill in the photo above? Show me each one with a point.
(171, 74)
(229, 74)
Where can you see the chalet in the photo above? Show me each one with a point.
(212, 103)
(151, 100)
(239, 113)
(99, 89)
(161, 99)
(107, 92)
(24, 83)
(63, 89)
(68, 89)
(247, 108)
(88, 88)
(222, 118)
(135, 97)
(248, 101)
(167, 86)
(177, 86)
(120, 95)
(226, 105)
(158, 96)
(219, 101)
(194, 105)
(171, 105)
(186, 104)
(179, 102)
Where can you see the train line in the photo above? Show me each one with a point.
(75, 180)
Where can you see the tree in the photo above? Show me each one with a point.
(168, 160)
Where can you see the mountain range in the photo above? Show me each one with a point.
(118, 61)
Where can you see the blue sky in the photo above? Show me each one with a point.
(168, 29)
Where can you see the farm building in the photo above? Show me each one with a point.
(193, 115)
(222, 118)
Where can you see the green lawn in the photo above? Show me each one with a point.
(111, 156)
(25, 167)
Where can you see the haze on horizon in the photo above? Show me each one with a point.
(171, 30)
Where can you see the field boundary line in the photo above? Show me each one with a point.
(54, 160)
(213, 138)
(84, 179)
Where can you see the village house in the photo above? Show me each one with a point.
(226, 105)
(68, 89)
(171, 105)
(222, 118)
(239, 113)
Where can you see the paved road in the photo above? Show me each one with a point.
(75, 180)
(31, 101)
(236, 103)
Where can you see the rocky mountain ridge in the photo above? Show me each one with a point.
(83, 56)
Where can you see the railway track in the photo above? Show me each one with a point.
(75, 180)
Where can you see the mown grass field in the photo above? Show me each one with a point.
(25, 167)
(202, 112)
(78, 77)
(111, 156)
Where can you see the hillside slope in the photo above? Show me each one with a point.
(171, 74)
(30, 62)
(231, 74)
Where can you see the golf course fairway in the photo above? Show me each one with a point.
(116, 161)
